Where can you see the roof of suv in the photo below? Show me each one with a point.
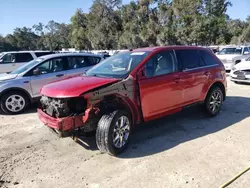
(168, 47)
(36, 51)
(68, 54)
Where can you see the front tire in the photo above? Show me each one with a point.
(214, 101)
(113, 131)
(14, 102)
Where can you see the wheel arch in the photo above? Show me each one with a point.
(16, 89)
(221, 86)
(113, 102)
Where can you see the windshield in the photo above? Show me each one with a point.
(230, 51)
(26, 66)
(117, 66)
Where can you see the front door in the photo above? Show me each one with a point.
(160, 90)
(50, 71)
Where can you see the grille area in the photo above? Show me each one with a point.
(58, 108)
(242, 72)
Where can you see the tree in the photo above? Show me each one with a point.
(79, 31)
(104, 24)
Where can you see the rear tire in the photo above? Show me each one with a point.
(14, 102)
(113, 131)
(214, 101)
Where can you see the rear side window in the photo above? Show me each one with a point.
(23, 57)
(39, 54)
(82, 61)
(77, 62)
(189, 59)
(207, 58)
(93, 60)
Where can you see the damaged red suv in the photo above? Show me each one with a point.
(133, 87)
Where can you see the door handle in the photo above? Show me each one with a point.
(59, 75)
(206, 73)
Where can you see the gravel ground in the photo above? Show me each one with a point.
(187, 149)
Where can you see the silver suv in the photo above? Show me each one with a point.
(22, 86)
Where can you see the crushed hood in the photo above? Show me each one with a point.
(244, 65)
(5, 76)
(74, 87)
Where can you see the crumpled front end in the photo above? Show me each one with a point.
(67, 114)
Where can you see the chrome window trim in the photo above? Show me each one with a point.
(207, 66)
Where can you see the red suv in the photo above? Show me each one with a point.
(133, 87)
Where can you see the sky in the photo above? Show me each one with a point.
(20, 13)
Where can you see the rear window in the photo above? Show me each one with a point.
(39, 54)
(23, 57)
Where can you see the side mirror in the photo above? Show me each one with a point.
(216, 53)
(36, 72)
(245, 53)
(1, 60)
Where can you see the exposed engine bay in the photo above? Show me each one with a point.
(63, 107)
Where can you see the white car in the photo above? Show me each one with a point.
(10, 61)
(228, 55)
(241, 72)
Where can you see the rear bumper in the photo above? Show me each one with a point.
(65, 124)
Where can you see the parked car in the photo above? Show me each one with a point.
(133, 87)
(229, 55)
(241, 72)
(22, 86)
(10, 61)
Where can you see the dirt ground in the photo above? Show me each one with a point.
(184, 150)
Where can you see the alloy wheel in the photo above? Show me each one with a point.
(15, 103)
(215, 101)
(121, 132)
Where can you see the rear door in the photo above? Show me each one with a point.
(77, 65)
(195, 75)
(160, 90)
(51, 70)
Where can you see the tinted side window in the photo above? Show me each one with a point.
(189, 59)
(93, 60)
(161, 64)
(39, 54)
(207, 58)
(77, 62)
(23, 57)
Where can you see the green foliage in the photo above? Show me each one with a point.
(141, 23)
